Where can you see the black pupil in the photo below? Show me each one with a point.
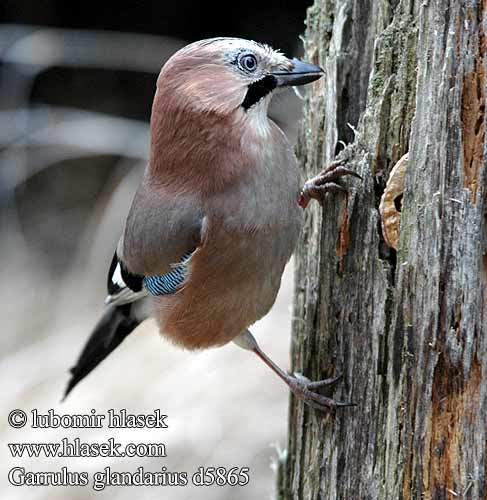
(249, 62)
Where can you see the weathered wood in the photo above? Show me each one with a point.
(407, 329)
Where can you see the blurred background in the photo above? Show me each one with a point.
(76, 88)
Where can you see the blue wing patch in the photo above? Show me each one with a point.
(168, 283)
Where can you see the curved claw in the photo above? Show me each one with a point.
(332, 173)
(347, 171)
(325, 382)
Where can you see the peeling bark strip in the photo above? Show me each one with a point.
(444, 460)
(407, 328)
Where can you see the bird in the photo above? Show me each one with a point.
(219, 209)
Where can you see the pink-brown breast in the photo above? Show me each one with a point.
(251, 229)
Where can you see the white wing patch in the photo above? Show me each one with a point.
(123, 290)
(117, 279)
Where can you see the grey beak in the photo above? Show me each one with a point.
(301, 74)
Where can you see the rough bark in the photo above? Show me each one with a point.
(407, 329)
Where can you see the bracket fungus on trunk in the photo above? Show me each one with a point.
(389, 208)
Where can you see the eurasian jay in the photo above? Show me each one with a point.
(219, 209)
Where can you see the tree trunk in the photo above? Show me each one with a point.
(407, 328)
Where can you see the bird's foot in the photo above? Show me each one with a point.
(304, 389)
(300, 386)
(324, 183)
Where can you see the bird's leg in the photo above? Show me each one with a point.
(324, 183)
(300, 386)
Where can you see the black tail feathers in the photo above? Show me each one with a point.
(115, 324)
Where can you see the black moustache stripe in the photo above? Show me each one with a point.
(259, 89)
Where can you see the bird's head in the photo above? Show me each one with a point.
(230, 75)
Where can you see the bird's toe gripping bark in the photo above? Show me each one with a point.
(305, 389)
(318, 383)
(324, 183)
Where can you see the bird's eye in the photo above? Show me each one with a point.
(248, 62)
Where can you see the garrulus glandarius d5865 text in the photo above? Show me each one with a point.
(219, 209)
